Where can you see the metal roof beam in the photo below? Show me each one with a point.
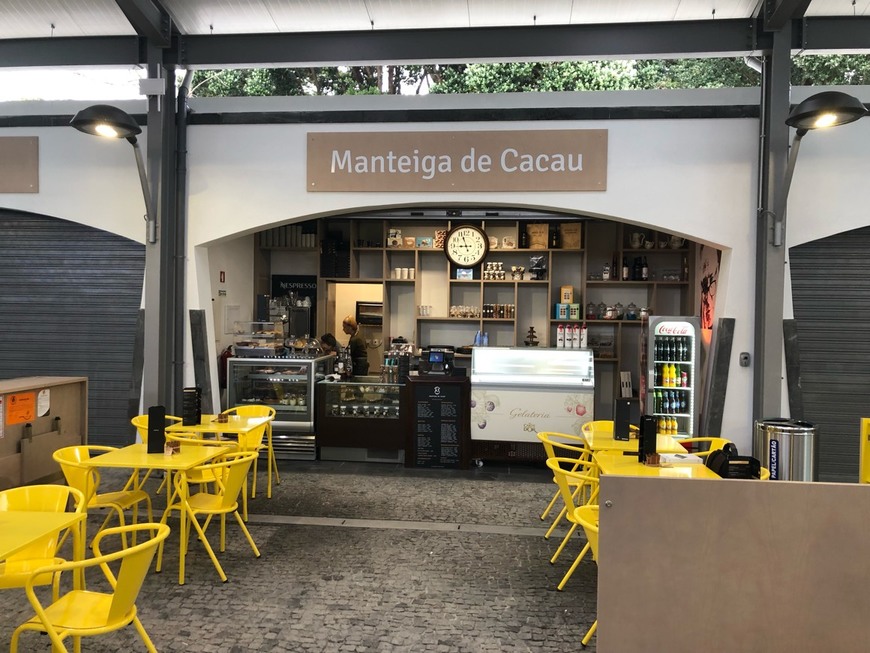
(778, 13)
(820, 35)
(78, 51)
(658, 40)
(148, 20)
(550, 42)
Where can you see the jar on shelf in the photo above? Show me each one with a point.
(631, 311)
(591, 311)
(620, 310)
(602, 310)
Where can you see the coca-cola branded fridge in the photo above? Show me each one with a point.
(673, 373)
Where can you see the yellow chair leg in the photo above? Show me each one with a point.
(562, 545)
(573, 567)
(590, 633)
(550, 506)
(556, 522)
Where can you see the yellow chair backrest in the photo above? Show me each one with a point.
(556, 444)
(587, 516)
(85, 479)
(230, 472)
(253, 438)
(39, 498)
(570, 472)
(135, 562)
(597, 424)
(141, 424)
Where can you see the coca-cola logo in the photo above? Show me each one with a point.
(669, 329)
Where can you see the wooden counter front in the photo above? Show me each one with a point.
(38, 415)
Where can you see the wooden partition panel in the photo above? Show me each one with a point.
(692, 565)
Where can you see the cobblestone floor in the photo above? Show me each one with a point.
(446, 561)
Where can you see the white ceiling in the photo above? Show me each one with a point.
(78, 18)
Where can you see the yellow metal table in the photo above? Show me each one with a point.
(207, 424)
(19, 528)
(616, 463)
(136, 456)
(600, 438)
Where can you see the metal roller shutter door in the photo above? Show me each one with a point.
(831, 288)
(69, 300)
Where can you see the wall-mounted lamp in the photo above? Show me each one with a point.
(111, 122)
(826, 109)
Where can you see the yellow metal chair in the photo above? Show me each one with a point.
(81, 613)
(597, 424)
(703, 446)
(587, 517)
(564, 444)
(199, 475)
(254, 441)
(230, 474)
(87, 481)
(141, 424)
(566, 479)
(18, 568)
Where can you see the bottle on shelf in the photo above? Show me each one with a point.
(637, 269)
(685, 273)
(615, 269)
(555, 240)
(666, 402)
(644, 270)
(524, 237)
(625, 271)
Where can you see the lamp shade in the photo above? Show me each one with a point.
(106, 120)
(826, 109)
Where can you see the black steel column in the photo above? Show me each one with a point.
(770, 259)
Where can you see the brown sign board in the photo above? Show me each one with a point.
(475, 161)
(19, 164)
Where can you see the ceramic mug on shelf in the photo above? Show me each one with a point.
(637, 240)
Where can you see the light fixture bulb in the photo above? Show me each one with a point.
(106, 130)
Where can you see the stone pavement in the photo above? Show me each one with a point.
(366, 557)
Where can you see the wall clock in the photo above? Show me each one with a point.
(466, 246)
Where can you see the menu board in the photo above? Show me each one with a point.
(439, 416)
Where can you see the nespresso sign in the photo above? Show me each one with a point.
(545, 160)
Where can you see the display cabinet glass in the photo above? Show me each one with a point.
(254, 339)
(359, 413)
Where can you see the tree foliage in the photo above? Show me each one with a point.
(524, 77)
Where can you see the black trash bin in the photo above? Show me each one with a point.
(788, 448)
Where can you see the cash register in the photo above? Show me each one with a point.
(437, 360)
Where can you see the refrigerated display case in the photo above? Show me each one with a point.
(673, 370)
(518, 391)
(287, 385)
(360, 419)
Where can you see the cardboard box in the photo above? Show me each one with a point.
(537, 235)
(570, 232)
(573, 311)
(560, 312)
(566, 294)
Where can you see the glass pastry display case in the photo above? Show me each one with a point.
(362, 414)
(287, 385)
(255, 339)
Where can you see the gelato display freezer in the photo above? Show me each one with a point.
(518, 391)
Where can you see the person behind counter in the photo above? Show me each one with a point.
(356, 345)
(329, 345)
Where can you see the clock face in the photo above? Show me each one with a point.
(466, 246)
